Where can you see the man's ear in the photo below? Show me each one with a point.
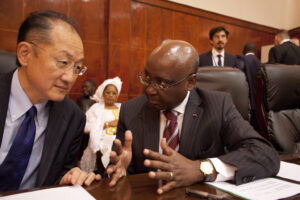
(23, 52)
(192, 81)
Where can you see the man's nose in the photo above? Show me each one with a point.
(69, 76)
(150, 89)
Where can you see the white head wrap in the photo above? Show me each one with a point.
(98, 96)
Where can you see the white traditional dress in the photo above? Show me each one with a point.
(100, 139)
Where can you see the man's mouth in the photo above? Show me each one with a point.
(153, 101)
(64, 88)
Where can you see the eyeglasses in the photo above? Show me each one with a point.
(65, 64)
(159, 85)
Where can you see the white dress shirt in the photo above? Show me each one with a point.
(18, 105)
(215, 57)
(285, 40)
(225, 171)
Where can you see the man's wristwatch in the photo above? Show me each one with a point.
(207, 168)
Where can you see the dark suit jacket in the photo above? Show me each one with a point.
(286, 53)
(206, 60)
(250, 65)
(62, 135)
(211, 127)
(85, 103)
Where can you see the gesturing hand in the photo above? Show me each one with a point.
(120, 159)
(175, 169)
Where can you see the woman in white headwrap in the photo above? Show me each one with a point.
(101, 124)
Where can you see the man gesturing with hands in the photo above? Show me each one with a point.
(183, 135)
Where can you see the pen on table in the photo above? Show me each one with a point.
(202, 194)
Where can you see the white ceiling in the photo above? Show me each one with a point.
(281, 14)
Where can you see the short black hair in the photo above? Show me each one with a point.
(90, 82)
(217, 29)
(39, 23)
(249, 48)
(283, 33)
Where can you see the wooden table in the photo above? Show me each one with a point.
(140, 187)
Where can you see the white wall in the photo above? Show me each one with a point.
(281, 14)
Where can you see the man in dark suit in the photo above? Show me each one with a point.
(207, 137)
(284, 51)
(85, 102)
(250, 65)
(40, 128)
(217, 57)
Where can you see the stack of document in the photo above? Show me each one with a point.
(75, 192)
(268, 188)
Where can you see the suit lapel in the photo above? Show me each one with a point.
(227, 60)
(193, 114)
(5, 87)
(210, 59)
(53, 135)
(151, 128)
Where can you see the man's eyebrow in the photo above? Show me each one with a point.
(66, 53)
(158, 78)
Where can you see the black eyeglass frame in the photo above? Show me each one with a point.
(160, 86)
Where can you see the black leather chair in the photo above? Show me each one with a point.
(281, 106)
(7, 61)
(230, 80)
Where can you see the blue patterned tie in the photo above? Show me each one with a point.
(14, 165)
(219, 60)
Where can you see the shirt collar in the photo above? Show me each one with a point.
(285, 40)
(215, 53)
(181, 107)
(250, 53)
(19, 103)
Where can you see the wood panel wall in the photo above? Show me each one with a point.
(295, 32)
(118, 35)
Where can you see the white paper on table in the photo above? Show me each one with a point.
(289, 171)
(263, 189)
(75, 192)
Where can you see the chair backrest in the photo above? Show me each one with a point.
(282, 104)
(230, 80)
(282, 86)
(284, 130)
(7, 61)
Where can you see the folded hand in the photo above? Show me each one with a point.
(78, 176)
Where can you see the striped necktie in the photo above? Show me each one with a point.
(171, 132)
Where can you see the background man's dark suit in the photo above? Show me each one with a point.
(206, 60)
(210, 123)
(286, 53)
(250, 64)
(62, 135)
